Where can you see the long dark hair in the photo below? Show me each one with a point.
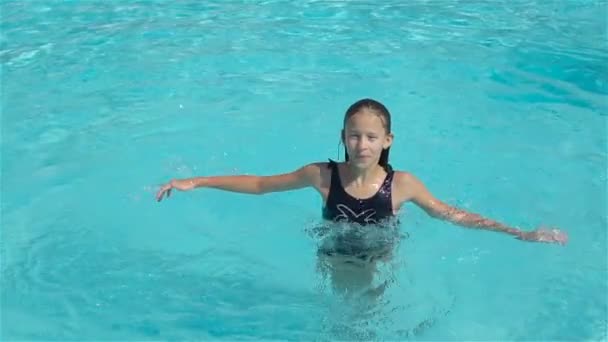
(381, 111)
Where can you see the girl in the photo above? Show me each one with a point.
(362, 192)
(364, 189)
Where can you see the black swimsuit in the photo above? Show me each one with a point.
(341, 206)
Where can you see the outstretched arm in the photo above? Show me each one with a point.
(305, 176)
(422, 197)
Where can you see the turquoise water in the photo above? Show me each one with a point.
(500, 107)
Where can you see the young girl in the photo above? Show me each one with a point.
(364, 189)
(363, 192)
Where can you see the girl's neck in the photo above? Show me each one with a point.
(362, 176)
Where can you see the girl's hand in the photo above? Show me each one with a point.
(182, 185)
(545, 235)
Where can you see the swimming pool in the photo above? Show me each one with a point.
(500, 107)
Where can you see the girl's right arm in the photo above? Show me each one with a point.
(309, 175)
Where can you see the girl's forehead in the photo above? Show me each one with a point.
(366, 119)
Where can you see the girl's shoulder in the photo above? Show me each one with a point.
(318, 174)
(406, 182)
(406, 185)
(318, 170)
(403, 175)
(405, 179)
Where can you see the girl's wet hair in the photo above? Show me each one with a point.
(381, 111)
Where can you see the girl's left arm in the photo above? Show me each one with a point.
(423, 198)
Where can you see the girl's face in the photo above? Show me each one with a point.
(365, 137)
